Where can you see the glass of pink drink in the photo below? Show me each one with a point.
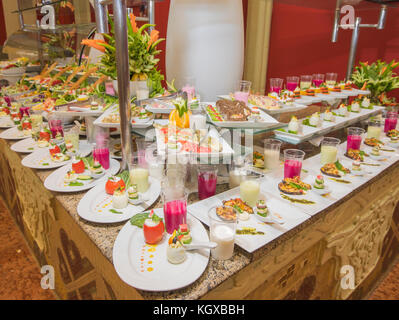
(391, 120)
(292, 83)
(56, 127)
(276, 84)
(207, 180)
(189, 87)
(318, 79)
(174, 206)
(102, 156)
(293, 163)
(243, 90)
(354, 138)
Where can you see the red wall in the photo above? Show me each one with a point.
(3, 33)
(300, 41)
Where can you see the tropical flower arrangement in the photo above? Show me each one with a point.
(378, 77)
(142, 51)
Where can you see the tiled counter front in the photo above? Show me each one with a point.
(305, 263)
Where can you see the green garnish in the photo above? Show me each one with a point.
(297, 186)
(139, 219)
(75, 184)
(115, 211)
(306, 122)
(340, 180)
(125, 176)
(249, 231)
(45, 164)
(31, 148)
(293, 200)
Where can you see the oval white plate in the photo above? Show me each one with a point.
(6, 122)
(96, 203)
(55, 181)
(40, 159)
(13, 134)
(26, 146)
(146, 267)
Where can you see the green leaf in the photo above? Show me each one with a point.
(115, 211)
(75, 184)
(139, 219)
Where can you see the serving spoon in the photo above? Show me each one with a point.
(200, 245)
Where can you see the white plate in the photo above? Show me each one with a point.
(96, 203)
(113, 109)
(267, 121)
(13, 134)
(55, 181)
(6, 122)
(40, 159)
(133, 259)
(290, 215)
(26, 146)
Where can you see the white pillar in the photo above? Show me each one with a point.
(205, 40)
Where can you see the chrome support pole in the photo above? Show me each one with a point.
(21, 16)
(353, 49)
(101, 12)
(383, 17)
(337, 15)
(122, 64)
(151, 12)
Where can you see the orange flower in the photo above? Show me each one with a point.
(383, 70)
(96, 44)
(133, 22)
(153, 38)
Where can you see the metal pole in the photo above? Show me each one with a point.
(151, 12)
(334, 37)
(122, 63)
(352, 53)
(21, 16)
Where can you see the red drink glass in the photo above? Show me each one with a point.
(207, 180)
(354, 138)
(276, 84)
(292, 83)
(391, 120)
(293, 163)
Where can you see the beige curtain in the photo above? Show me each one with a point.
(259, 18)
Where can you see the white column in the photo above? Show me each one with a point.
(206, 40)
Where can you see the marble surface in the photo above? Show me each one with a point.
(216, 272)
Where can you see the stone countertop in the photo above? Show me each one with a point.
(104, 235)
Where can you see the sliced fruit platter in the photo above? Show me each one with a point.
(235, 114)
(118, 198)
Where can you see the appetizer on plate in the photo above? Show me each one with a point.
(97, 170)
(185, 231)
(175, 251)
(294, 126)
(113, 183)
(373, 142)
(334, 169)
(357, 168)
(120, 198)
(313, 120)
(342, 110)
(355, 154)
(241, 207)
(392, 133)
(262, 211)
(153, 229)
(233, 110)
(70, 177)
(376, 153)
(294, 186)
(258, 160)
(328, 115)
(394, 142)
(263, 102)
(133, 194)
(319, 186)
(355, 106)
(226, 213)
(78, 165)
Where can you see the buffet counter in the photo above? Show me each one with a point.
(361, 230)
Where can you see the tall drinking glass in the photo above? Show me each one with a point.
(318, 79)
(391, 120)
(223, 233)
(293, 162)
(276, 84)
(374, 129)
(329, 150)
(331, 79)
(101, 154)
(56, 127)
(292, 83)
(139, 173)
(174, 200)
(243, 90)
(272, 153)
(250, 191)
(207, 180)
(306, 82)
(354, 138)
(71, 138)
(189, 87)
